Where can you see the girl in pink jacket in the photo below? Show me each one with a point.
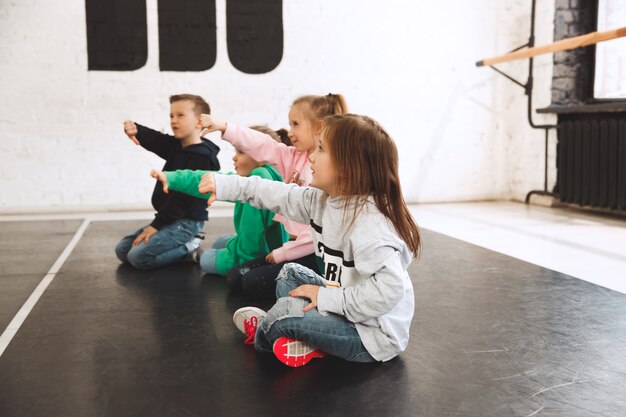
(257, 277)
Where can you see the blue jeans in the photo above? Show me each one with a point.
(209, 257)
(163, 248)
(257, 278)
(332, 333)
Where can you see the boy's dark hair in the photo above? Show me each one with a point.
(199, 105)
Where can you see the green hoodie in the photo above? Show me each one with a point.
(256, 232)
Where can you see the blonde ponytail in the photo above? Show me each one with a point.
(320, 107)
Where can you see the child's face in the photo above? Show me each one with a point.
(243, 163)
(324, 173)
(301, 131)
(183, 119)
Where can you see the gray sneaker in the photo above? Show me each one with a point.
(196, 254)
(194, 248)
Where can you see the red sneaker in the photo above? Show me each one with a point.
(246, 319)
(295, 353)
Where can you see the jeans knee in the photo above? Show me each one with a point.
(285, 308)
(121, 254)
(286, 271)
(208, 261)
(292, 275)
(290, 272)
(121, 251)
(137, 258)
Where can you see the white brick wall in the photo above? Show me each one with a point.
(461, 130)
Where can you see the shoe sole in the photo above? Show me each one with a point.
(295, 353)
(246, 313)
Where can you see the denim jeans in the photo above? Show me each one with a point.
(257, 278)
(209, 257)
(332, 333)
(163, 248)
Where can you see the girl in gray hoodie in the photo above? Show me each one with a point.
(361, 309)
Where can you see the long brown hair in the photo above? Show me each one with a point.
(366, 161)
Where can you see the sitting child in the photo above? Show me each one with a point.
(361, 309)
(306, 120)
(256, 232)
(176, 229)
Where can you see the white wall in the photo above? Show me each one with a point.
(524, 146)
(610, 73)
(461, 130)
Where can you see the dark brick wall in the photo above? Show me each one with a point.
(572, 77)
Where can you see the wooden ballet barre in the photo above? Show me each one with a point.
(562, 45)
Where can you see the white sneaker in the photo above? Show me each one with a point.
(195, 242)
(246, 319)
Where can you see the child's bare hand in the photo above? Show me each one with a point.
(145, 235)
(160, 176)
(307, 291)
(207, 185)
(270, 258)
(211, 125)
(130, 128)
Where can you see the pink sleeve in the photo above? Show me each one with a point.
(262, 148)
(294, 249)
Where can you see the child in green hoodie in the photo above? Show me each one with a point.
(256, 232)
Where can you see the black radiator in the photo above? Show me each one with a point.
(591, 160)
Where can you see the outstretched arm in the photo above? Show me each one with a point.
(159, 143)
(183, 180)
(260, 146)
(294, 202)
(177, 203)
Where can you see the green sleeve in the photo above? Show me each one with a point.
(254, 224)
(186, 181)
(249, 243)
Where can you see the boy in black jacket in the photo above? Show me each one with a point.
(177, 225)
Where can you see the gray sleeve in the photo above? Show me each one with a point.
(377, 295)
(294, 202)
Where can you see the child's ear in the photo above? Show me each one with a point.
(318, 126)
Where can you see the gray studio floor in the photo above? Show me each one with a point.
(492, 336)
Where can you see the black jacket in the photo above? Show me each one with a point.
(174, 205)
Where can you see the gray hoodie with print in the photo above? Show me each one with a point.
(365, 261)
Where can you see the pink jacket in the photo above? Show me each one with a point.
(293, 166)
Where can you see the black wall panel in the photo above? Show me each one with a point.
(187, 35)
(117, 34)
(254, 34)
